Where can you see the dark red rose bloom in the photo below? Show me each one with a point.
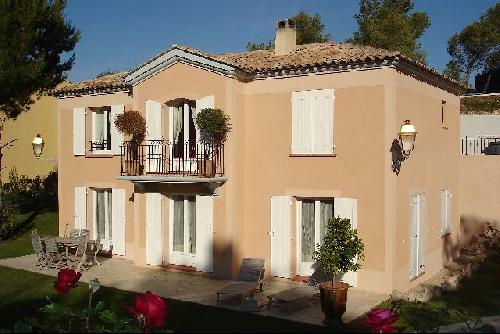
(66, 280)
(381, 320)
(151, 309)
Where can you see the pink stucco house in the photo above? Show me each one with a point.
(314, 131)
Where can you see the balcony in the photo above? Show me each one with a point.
(477, 145)
(158, 158)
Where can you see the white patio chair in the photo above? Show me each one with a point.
(55, 258)
(41, 256)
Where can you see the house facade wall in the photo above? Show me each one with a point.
(41, 119)
(479, 179)
(369, 107)
(430, 168)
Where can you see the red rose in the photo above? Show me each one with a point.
(66, 280)
(150, 309)
(381, 320)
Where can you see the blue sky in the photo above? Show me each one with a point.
(120, 34)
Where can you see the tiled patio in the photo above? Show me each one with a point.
(199, 288)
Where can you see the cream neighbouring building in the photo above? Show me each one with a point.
(314, 129)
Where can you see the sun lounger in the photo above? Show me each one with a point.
(251, 275)
(291, 297)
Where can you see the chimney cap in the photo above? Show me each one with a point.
(287, 23)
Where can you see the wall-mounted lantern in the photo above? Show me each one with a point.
(38, 146)
(407, 136)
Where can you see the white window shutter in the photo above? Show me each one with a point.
(448, 211)
(116, 136)
(323, 121)
(347, 208)
(79, 131)
(153, 132)
(280, 236)
(205, 102)
(154, 249)
(118, 220)
(153, 120)
(81, 207)
(414, 240)
(301, 123)
(422, 223)
(204, 233)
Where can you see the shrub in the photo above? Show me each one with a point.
(341, 245)
(131, 123)
(8, 212)
(31, 194)
(214, 125)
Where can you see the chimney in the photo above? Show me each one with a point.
(286, 37)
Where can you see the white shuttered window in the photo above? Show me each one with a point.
(312, 122)
(445, 212)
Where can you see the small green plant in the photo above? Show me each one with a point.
(340, 249)
(214, 125)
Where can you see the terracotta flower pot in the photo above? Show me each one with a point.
(333, 300)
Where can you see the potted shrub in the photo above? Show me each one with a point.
(214, 126)
(132, 125)
(337, 255)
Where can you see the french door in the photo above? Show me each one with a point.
(183, 136)
(103, 222)
(312, 216)
(183, 230)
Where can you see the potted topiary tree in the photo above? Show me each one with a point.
(133, 125)
(338, 254)
(214, 126)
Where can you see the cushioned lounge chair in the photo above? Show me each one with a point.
(250, 276)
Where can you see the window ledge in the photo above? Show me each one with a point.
(98, 155)
(309, 155)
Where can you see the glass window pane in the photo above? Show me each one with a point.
(326, 213)
(192, 223)
(178, 233)
(307, 231)
(99, 134)
(107, 134)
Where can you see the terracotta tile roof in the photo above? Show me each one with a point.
(304, 56)
(106, 82)
(260, 62)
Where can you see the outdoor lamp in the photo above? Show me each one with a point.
(407, 136)
(38, 146)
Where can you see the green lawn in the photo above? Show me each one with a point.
(45, 222)
(23, 292)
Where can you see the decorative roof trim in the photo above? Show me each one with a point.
(173, 55)
(91, 91)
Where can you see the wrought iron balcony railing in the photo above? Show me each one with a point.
(100, 145)
(158, 157)
(477, 145)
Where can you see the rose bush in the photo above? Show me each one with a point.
(381, 321)
(150, 310)
(66, 280)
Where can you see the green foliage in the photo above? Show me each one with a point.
(214, 125)
(104, 73)
(477, 45)
(390, 25)
(480, 104)
(33, 36)
(341, 245)
(452, 70)
(309, 29)
(8, 222)
(31, 194)
(251, 46)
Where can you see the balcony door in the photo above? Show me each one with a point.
(183, 137)
(182, 235)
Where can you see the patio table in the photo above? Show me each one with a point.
(67, 243)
